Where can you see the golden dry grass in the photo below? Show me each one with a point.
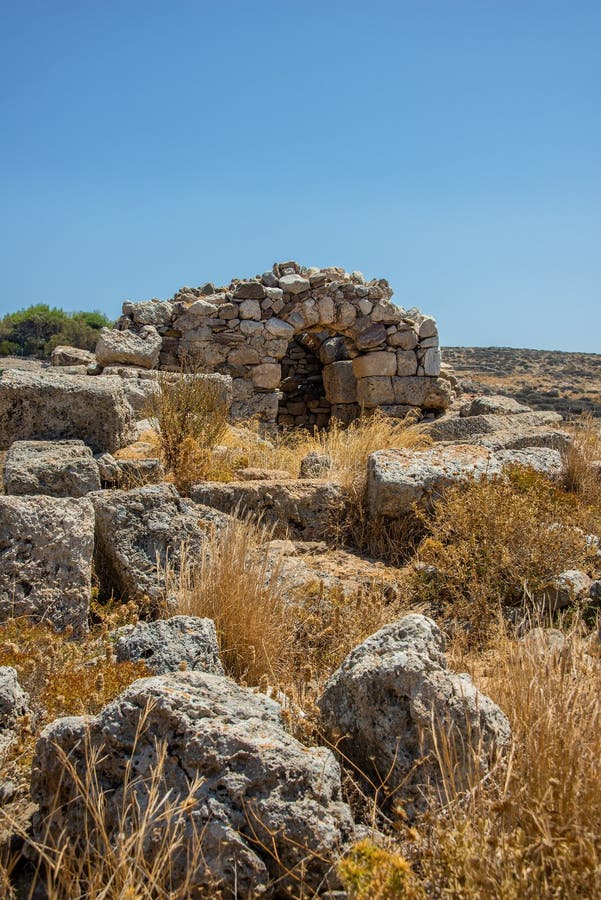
(532, 830)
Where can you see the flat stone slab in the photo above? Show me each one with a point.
(49, 405)
(308, 509)
(397, 480)
(467, 428)
(54, 468)
(46, 547)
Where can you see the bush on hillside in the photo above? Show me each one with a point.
(37, 330)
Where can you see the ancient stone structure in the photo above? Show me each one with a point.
(302, 345)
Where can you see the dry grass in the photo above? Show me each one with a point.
(348, 446)
(268, 634)
(499, 543)
(235, 584)
(532, 830)
(581, 475)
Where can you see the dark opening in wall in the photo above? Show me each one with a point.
(304, 403)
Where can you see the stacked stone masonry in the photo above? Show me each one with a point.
(302, 345)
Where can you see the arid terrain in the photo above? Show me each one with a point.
(243, 656)
(569, 383)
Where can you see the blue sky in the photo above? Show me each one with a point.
(453, 147)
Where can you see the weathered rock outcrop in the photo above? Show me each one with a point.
(398, 479)
(129, 348)
(308, 509)
(139, 532)
(493, 404)
(170, 645)
(51, 406)
(262, 795)
(473, 428)
(55, 468)
(46, 547)
(390, 697)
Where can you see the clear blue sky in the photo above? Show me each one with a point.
(453, 147)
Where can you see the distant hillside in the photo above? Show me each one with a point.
(569, 383)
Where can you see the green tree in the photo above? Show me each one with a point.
(36, 330)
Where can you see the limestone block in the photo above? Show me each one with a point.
(294, 284)
(129, 348)
(375, 391)
(267, 375)
(250, 309)
(51, 406)
(378, 362)
(53, 468)
(71, 356)
(46, 546)
(406, 363)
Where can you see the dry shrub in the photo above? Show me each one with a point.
(62, 676)
(190, 417)
(369, 872)
(235, 584)
(581, 475)
(499, 542)
(530, 830)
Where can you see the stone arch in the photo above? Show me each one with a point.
(245, 330)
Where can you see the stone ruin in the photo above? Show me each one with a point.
(302, 345)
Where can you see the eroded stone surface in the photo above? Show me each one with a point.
(49, 405)
(309, 509)
(131, 348)
(141, 531)
(46, 547)
(55, 468)
(171, 645)
(391, 692)
(256, 780)
(399, 479)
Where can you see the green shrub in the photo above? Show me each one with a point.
(37, 330)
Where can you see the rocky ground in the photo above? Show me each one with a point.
(568, 383)
(284, 675)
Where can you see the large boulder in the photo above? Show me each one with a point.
(307, 509)
(55, 468)
(398, 479)
(141, 532)
(266, 807)
(170, 645)
(394, 697)
(46, 547)
(49, 405)
(129, 348)
(71, 356)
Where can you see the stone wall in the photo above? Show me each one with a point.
(302, 344)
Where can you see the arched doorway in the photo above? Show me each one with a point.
(318, 382)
